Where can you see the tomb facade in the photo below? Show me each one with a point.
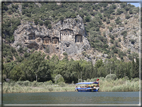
(55, 40)
(31, 36)
(47, 40)
(66, 35)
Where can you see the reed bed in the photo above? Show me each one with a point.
(118, 85)
(38, 87)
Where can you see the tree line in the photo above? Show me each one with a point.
(39, 67)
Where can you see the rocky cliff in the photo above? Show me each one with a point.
(112, 30)
(67, 36)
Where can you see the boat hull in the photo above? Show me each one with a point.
(87, 90)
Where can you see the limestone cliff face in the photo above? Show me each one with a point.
(68, 36)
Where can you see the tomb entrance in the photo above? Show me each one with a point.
(55, 40)
(32, 36)
(78, 38)
(47, 40)
(38, 39)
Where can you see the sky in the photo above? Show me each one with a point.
(135, 4)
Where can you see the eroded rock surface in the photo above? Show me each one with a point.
(68, 36)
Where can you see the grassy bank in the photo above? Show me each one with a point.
(118, 85)
(26, 87)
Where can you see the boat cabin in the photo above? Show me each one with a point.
(87, 87)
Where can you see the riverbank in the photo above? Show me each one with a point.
(118, 85)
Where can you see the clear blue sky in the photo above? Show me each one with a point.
(135, 4)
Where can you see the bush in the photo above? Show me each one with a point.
(124, 33)
(87, 18)
(119, 11)
(135, 79)
(110, 29)
(126, 78)
(19, 82)
(61, 84)
(111, 41)
(12, 83)
(127, 16)
(26, 83)
(132, 41)
(36, 21)
(47, 22)
(102, 78)
(41, 22)
(104, 19)
(34, 83)
(118, 20)
(111, 17)
(49, 26)
(111, 77)
(108, 21)
(59, 78)
(65, 54)
(39, 83)
(123, 5)
(130, 11)
(125, 21)
(50, 89)
(119, 39)
(79, 80)
(49, 82)
(88, 80)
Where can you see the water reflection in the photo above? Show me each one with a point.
(72, 98)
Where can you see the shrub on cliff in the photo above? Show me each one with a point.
(127, 16)
(118, 20)
(108, 21)
(87, 18)
(119, 11)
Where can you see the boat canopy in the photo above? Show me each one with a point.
(84, 83)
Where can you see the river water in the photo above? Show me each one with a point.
(72, 98)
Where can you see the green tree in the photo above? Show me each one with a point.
(99, 63)
(7, 67)
(59, 78)
(17, 73)
(65, 56)
(36, 65)
(49, 26)
(36, 21)
(47, 22)
(87, 18)
(40, 22)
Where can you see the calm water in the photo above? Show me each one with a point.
(72, 98)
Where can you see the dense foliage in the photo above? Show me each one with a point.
(36, 67)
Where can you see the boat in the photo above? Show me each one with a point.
(88, 86)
